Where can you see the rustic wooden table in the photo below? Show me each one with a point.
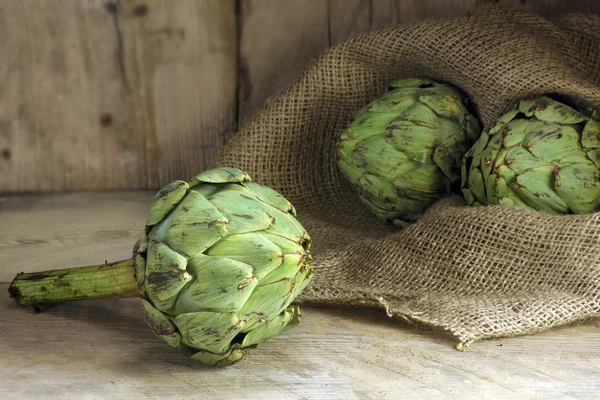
(104, 350)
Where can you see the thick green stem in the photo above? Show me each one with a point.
(94, 282)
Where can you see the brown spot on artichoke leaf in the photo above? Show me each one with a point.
(245, 282)
(539, 106)
(166, 190)
(212, 223)
(272, 218)
(185, 209)
(412, 121)
(245, 216)
(161, 331)
(162, 279)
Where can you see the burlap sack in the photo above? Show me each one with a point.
(477, 272)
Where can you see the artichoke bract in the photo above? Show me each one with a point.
(219, 263)
(403, 151)
(542, 155)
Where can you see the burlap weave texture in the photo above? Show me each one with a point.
(478, 272)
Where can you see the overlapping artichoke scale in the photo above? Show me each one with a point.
(266, 302)
(416, 133)
(549, 110)
(210, 331)
(445, 102)
(193, 226)
(270, 197)
(579, 186)
(378, 156)
(380, 196)
(219, 285)
(535, 187)
(165, 200)
(221, 175)
(424, 183)
(538, 156)
(166, 275)
(231, 356)
(393, 102)
(386, 150)
(289, 318)
(253, 249)
(161, 325)
(222, 260)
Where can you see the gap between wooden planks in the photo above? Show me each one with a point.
(104, 349)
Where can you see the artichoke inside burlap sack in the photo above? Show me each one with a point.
(478, 272)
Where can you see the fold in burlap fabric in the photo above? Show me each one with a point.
(478, 272)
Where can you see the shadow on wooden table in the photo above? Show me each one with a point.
(118, 327)
(111, 325)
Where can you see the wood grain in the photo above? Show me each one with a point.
(347, 18)
(107, 95)
(550, 8)
(277, 39)
(131, 94)
(99, 349)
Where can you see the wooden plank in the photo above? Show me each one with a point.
(103, 349)
(551, 8)
(421, 10)
(183, 77)
(347, 18)
(107, 95)
(383, 13)
(74, 229)
(390, 12)
(277, 40)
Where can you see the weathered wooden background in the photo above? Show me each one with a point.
(130, 94)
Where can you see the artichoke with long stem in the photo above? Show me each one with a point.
(219, 263)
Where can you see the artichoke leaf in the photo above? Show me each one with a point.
(192, 227)
(219, 285)
(166, 275)
(579, 186)
(250, 248)
(289, 318)
(536, 188)
(221, 175)
(270, 197)
(166, 200)
(210, 331)
(266, 300)
(549, 110)
(245, 212)
(161, 325)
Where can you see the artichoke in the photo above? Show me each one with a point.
(542, 155)
(217, 267)
(403, 151)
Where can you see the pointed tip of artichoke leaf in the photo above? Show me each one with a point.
(221, 175)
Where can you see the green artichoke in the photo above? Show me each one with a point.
(542, 155)
(217, 267)
(403, 151)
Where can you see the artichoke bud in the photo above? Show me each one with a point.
(542, 154)
(403, 151)
(220, 262)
